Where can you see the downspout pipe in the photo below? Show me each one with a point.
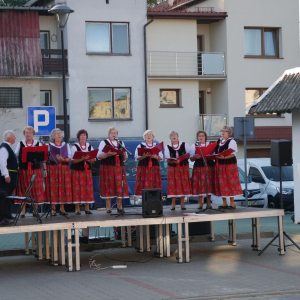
(146, 70)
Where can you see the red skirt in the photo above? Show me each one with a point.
(147, 178)
(61, 191)
(198, 181)
(111, 182)
(227, 181)
(37, 191)
(82, 186)
(179, 183)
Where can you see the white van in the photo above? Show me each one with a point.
(261, 171)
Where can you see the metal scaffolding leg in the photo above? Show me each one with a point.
(232, 232)
(26, 244)
(54, 254)
(61, 248)
(166, 234)
(33, 251)
(255, 234)
(46, 251)
(70, 260)
(129, 237)
(212, 231)
(39, 253)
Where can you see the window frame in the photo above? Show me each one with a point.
(21, 100)
(262, 115)
(110, 39)
(50, 97)
(112, 104)
(177, 105)
(263, 29)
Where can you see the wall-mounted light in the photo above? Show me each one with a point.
(208, 91)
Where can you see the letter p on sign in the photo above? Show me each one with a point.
(42, 119)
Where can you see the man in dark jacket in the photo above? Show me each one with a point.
(8, 176)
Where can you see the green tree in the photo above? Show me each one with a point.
(151, 3)
(13, 2)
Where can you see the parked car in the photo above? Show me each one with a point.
(130, 169)
(256, 193)
(261, 171)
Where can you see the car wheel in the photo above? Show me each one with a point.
(271, 202)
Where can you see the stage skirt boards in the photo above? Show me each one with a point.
(179, 183)
(61, 188)
(111, 182)
(198, 178)
(227, 181)
(37, 191)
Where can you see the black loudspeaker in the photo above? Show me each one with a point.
(199, 228)
(152, 205)
(281, 153)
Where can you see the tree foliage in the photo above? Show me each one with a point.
(151, 3)
(13, 2)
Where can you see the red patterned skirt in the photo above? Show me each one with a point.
(111, 182)
(61, 189)
(198, 181)
(227, 181)
(82, 186)
(179, 183)
(37, 191)
(147, 178)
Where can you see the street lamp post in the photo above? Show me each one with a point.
(60, 11)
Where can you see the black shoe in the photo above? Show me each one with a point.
(88, 212)
(223, 207)
(108, 211)
(121, 211)
(9, 217)
(54, 215)
(173, 208)
(5, 222)
(64, 213)
(199, 207)
(22, 216)
(78, 213)
(183, 208)
(232, 207)
(208, 206)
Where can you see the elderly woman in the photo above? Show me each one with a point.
(60, 175)
(113, 182)
(26, 170)
(82, 181)
(200, 186)
(227, 182)
(148, 171)
(179, 184)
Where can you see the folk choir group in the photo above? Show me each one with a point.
(74, 184)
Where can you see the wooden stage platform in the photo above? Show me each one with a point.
(56, 226)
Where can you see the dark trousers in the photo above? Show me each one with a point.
(5, 203)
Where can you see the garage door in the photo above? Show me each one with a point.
(257, 153)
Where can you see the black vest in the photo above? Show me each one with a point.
(24, 166)
(181, 151)
(12, 167)
(111, 160)
(80, 166)
(200, 162)
(227, 161)
(145, 162)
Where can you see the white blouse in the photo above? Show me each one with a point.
(153, 145)
(232, 145)
(74, 149)
(17, 151)
(167, 152)
(112, 143)
(193, 148)
(63, 143)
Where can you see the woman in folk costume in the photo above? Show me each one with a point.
(148, 172)
(227, 181)
(113, 182)
(26, 170)
(179, 183)
(59, 174)
(199, 187)
(81, 174)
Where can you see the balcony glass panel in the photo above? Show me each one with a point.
(212, 124)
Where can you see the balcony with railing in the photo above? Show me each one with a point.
(186, 64)
(212, 124)
(52, 61)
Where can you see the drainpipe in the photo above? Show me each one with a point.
(146, 71)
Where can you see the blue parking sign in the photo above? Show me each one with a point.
(41, 118)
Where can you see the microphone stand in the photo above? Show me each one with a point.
(48, 211)
(205, 170)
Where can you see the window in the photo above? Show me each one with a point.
(10, 97)
(261, 42)
(109, 103)
(45, 98)
(254, 172)
(107, 38)
(169, 98)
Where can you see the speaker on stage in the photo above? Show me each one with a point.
(281, 153)
(152, 205)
